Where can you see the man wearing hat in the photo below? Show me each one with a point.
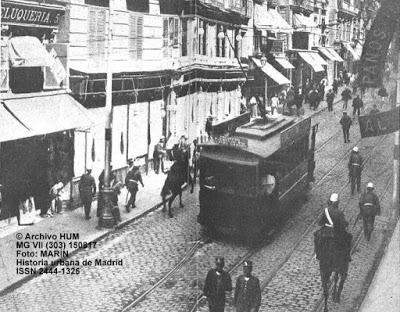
(217, 283)
(346, 122)
(247, 291)
(133, 177)
(87, 189)
(369, 208)
(355, 168)
(335, 217)
(158, 156)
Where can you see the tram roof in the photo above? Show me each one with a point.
(259, 138)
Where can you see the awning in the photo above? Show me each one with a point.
(308, 58)
(271, 72)
(335, 54)
(358, 49)
(270, 19)
(351, 50)
(304, 23)
(10, 127)
(27, 51)
(319, 59)
(48, 113)
(284, 63)
(326, 54)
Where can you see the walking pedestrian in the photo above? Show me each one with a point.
(217, 283)
(369, 208)
(247, 291)
(195, 160)
(355, 167)
(313, 98)
(335, 86)
(55, 194)
(346, 96)
(133, 177)
(298, 100)
(87, 189)
(357, 105)
(116, 191)
(346, 122)
(274, 103)
(330, 96)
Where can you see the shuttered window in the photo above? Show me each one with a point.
(170, 35)
(97, 32)
(136, 36)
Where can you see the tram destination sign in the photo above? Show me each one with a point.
(298, 130)
(230, 141)
(380, 123)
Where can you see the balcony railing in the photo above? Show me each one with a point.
(303, 4)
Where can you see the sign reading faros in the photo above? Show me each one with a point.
(230, 141)
(21, 14)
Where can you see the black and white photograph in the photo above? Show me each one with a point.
(199, 156)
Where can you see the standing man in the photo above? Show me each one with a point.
(247, 292)
(330, 96)
(355, 168)
(369, 208)
(87, 189)
(209, 126)
(357, 104)
(313, 98)
(346, 96)
(133, 177)
(253, 106)
(218, 282)
(346, 122)
(158, 156)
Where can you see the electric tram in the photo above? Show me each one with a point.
(250, 175)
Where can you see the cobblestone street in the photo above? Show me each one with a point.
(155, 244)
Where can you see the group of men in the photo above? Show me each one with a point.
(247, 295)
(87, 190)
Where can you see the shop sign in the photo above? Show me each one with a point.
(13, 13)
(379, 124)
(295, 132)
(230, 141)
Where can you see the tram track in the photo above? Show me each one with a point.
(249, 254)
(359, 234)
(288, 255)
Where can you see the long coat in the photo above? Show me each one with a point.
(369, 204)
(247, 294)
(346, 122)
(87, 187)
(355, 164)
(215, 288)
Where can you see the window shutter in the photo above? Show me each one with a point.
(176, 33)
(139, 37)
(92, 27)
(133, 35)
(97, 32)
(165, 37)
(101, 32)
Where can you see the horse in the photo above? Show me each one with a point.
(332, 249)
(177, 176)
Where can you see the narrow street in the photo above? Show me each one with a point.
(172, 254)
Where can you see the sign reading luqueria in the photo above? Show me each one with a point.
(21, 14)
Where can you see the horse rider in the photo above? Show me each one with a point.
(247, 296)
(217, 283)
(355, 167)
(346, 122)
(133, 177)
(339, 220)
(369, 208)
(87, 190)
(332, 249)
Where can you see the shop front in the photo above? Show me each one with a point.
(333, 60)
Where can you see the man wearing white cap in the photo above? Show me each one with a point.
(355, 167)
(369, 208)
(335, 217)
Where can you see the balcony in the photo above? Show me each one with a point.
(301, 6)
(346, 7)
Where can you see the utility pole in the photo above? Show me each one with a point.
(107, 219)
(396, 147)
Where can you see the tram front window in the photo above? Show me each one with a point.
(230, 178)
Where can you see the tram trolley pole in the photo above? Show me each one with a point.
(311, 156)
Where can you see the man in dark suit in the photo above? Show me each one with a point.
(87, 189)
(346, 122)
(133, 177)
(218, 282)
(247, 292)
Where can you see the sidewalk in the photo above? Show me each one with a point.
(148, 200)
(384, 291)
